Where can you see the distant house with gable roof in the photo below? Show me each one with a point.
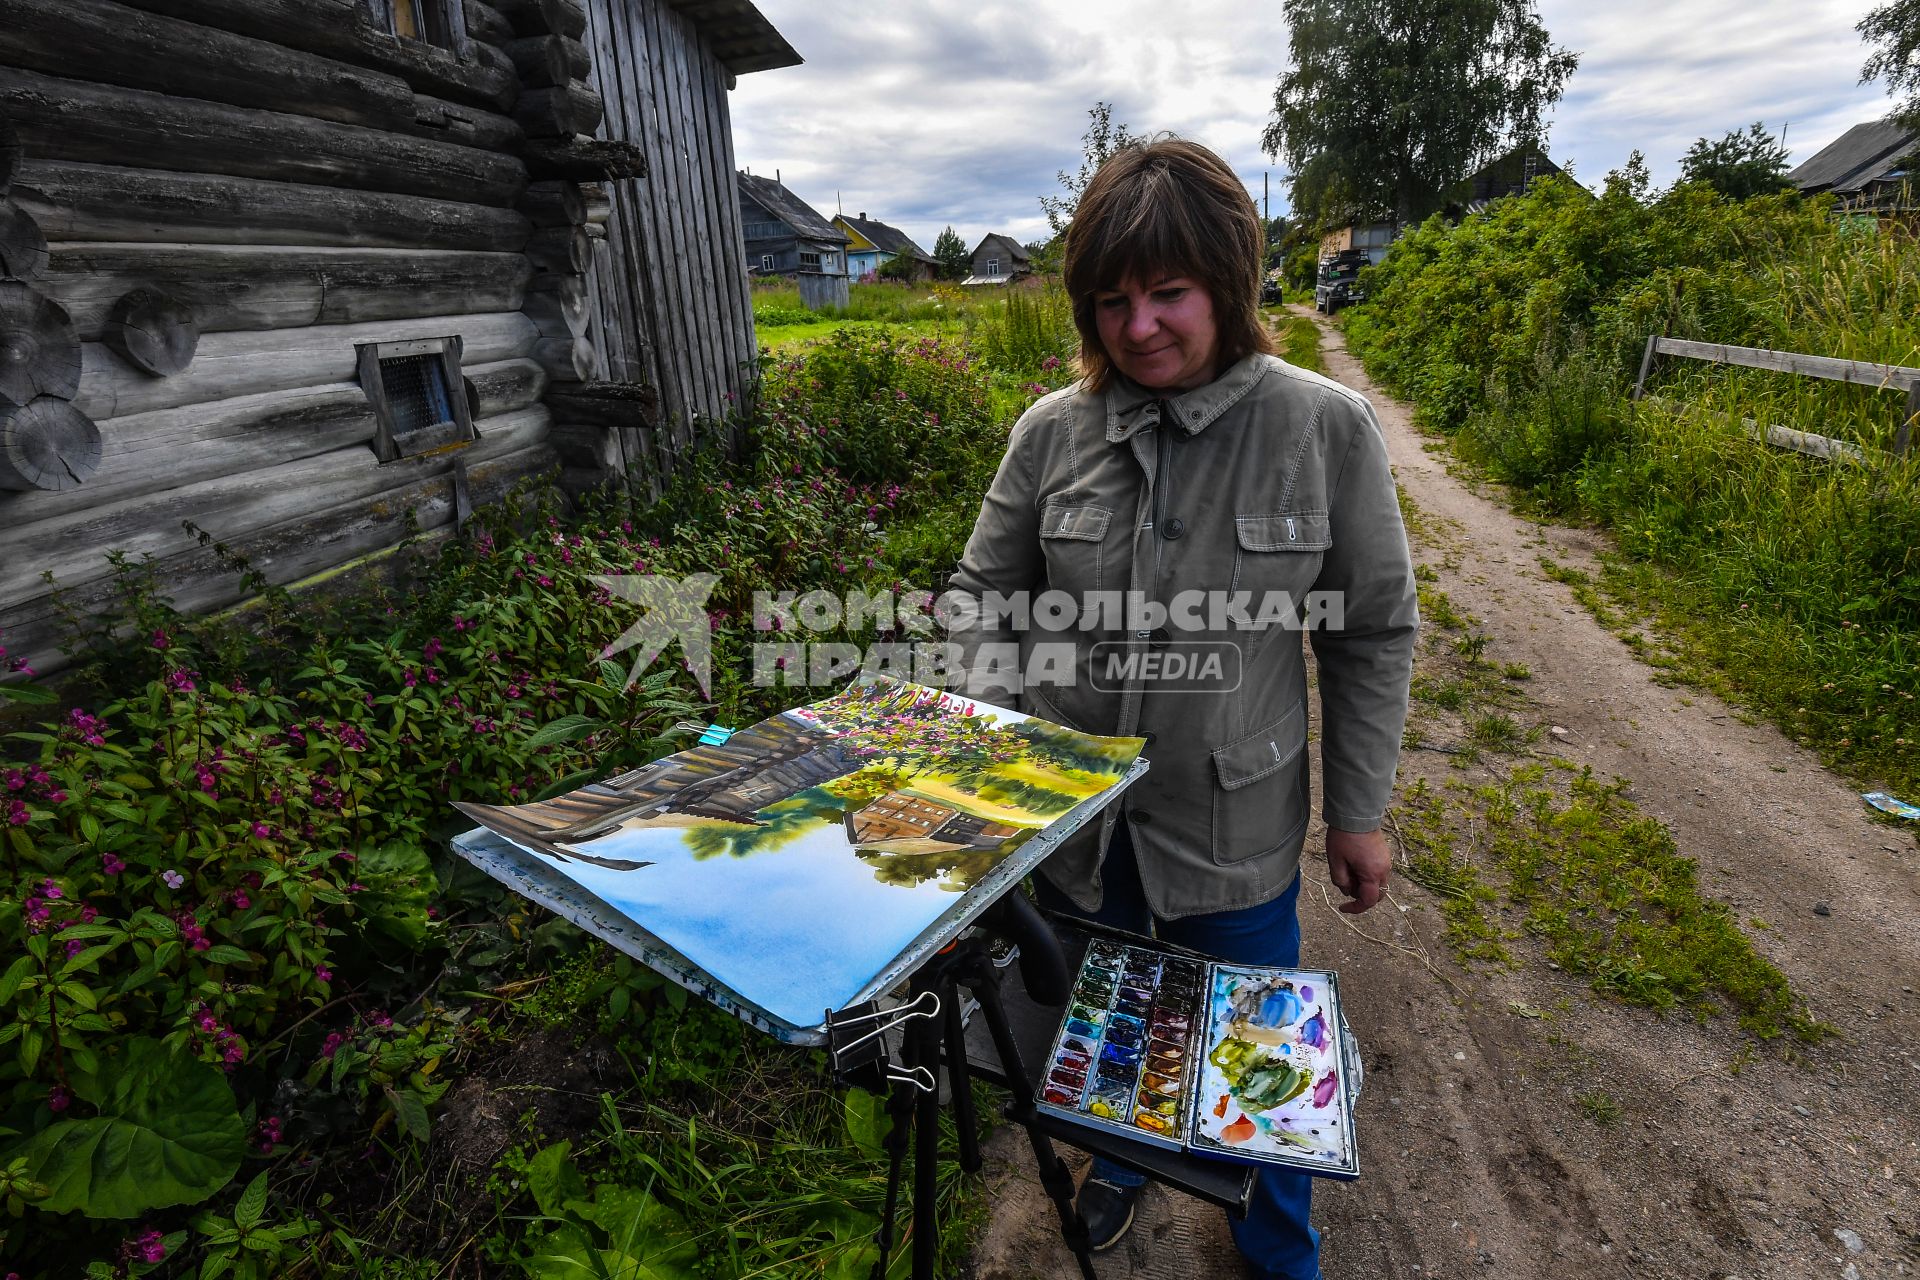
(998, 260)
(1865, 168)
(785, 236)
(872, 244)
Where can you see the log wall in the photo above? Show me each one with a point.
(280, 180)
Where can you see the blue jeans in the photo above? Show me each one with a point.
(1274, 1236)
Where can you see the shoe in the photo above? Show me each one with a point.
(1107, 1209)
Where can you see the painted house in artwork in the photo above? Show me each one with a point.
(901, 819)
(786, 236)
(872, 244)
(1870, 168)
(998, 260)
(313, 274)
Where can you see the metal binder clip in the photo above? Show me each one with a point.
(857, 1044)
(919, 1077)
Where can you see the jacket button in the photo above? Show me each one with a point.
(1139, 817)
(1173, 528)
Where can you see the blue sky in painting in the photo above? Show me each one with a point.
(797, 930)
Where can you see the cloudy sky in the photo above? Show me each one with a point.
(924, 113)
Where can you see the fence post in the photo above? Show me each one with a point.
(1646, 365)
(1903, 438)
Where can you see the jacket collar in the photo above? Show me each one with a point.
(1131, 407)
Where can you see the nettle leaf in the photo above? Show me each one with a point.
(400, 884)
(649, 1239)
(553, 1179)
(168, 1133)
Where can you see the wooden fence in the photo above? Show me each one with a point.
(1858, 372)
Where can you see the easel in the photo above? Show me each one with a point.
(933, 1033)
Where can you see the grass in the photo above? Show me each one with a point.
(1299, 341)
(1539, 859)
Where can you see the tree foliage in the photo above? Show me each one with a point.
(1102, 138)
(950, 251)
(1386, 107)
(1895, 29)
(1742, 164)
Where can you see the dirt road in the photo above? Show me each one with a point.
(1517, 1125)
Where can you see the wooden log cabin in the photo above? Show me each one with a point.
(307, 272)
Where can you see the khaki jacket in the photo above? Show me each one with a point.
(1273, 480)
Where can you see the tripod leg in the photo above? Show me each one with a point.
(1054, 1175)
(926, 1150)
(900, 1111)
(960, 1078)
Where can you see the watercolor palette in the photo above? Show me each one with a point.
(1225, 1061)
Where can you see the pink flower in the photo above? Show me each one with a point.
(152, 1246)
(160, 640)
(59, 1099)
(260, 831)
(323, 973)
(241, 901)
(331, 1045)
(172, 879)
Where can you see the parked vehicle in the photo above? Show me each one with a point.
(1338, 281)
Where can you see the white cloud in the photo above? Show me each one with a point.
(944, 111)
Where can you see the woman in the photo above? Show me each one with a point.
(1231, 500)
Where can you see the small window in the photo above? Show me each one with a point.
(419, 399)
(766, 262)
(809, 261)
(993, 266)
(440, 23)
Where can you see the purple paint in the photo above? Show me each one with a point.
(1315, 1031)
(1324, 1091)
(1306, 993)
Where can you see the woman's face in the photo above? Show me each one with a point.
(1160, 333)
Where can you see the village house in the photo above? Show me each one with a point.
(1867, 169)
(872, 245)
(785, 236)
(998, 260)
(317, 276)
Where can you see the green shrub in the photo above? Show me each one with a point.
(1794, 579)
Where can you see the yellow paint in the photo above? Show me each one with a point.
(860, 242)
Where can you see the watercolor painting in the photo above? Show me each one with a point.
(798, 857)
(1270, 1087)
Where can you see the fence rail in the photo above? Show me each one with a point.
(1861, 373)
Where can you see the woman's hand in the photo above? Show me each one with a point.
(1358, 863)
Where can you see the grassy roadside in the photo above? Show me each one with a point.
(1536, 860)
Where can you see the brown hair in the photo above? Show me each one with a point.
(1167, 208)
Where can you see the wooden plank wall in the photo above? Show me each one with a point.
(675, 310)
(303, 184)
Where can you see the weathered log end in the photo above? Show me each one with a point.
(153, 331)
(584, 159)
(23, 249)
(47, 444)
(623, 405)
(39, 350)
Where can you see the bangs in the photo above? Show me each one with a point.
(1160, 210)
(1148, 231)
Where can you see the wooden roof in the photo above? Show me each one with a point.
(1863, 154)
(740, 34)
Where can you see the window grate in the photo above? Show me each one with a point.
(416, 392)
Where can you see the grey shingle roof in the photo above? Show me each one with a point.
(1855, 158)
(1016, 251)
(887, 239)
(789, 208)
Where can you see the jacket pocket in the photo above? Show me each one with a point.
(1260, 789)
(1071, 538)
(1279, 551)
